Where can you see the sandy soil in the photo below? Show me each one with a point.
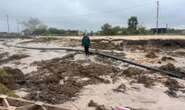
(146, 37)
(136, 95)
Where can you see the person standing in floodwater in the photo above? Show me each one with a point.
(86, 43)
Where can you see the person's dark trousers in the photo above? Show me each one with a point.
(86, 50)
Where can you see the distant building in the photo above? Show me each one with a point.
(159, 30)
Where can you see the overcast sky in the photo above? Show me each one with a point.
(91, 14)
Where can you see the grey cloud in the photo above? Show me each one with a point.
(91, 14)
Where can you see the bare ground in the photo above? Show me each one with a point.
(73, 80)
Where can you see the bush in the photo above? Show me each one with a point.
(5, 91)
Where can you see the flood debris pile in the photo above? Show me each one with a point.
(133, 45)
(109, 61)
(18, 56)
(132, 72)
(146, 80)
(97, 106)
(40, 40)
(3, 55)
(60, 80)
(173, 87)
(6, 58)
(151, 55)
(178, 53)
(166, 58)
(169, 67)
(6, 91)
(10, 79)
(106, 45)
(121, 88)
(139, 76)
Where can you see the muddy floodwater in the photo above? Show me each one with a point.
(77, 82)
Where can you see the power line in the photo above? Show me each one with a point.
(157, 19)
(8, 25)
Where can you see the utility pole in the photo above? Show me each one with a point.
(157, 21)
(8, 25)
(18, 26)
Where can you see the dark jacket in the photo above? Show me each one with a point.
(86, 41)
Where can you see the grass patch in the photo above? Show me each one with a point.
(5, 91)
(3, 73)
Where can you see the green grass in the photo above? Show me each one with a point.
(5, 91)
(3, 73)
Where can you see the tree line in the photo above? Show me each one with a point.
(35, 27)
(132, 29)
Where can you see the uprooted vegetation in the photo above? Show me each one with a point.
(179, 53)
(169, 67)
(173, 87)
(6, 91)
(151, 55)
(40, 40)
(139, 76)
(121, 88)
(97, 106)
(145, 45)
(6, 58)
(166, 58)
(10, 79)
(60, 80)
(4, 54)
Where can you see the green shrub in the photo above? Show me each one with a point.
(5, 91)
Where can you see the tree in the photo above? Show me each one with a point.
(106, 29)
(116, 30)
(34, 26)
(133, 23)
(124, 31)
(55, 31)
